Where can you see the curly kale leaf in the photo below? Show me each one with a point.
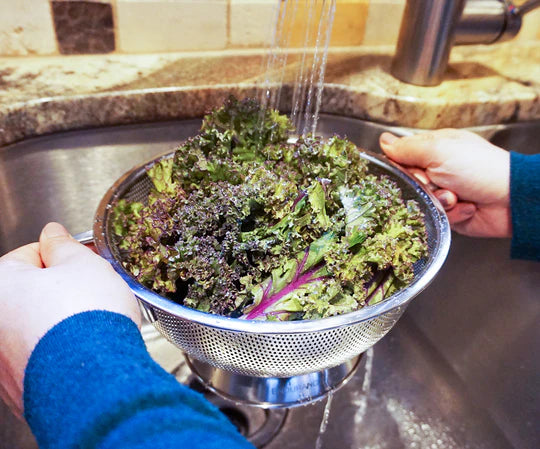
(242, 223)
(383, 237)
(244, 128)
(125, 217)
(162, 176)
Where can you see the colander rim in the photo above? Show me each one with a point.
(155, 301)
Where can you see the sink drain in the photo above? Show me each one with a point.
(258, 425)
(240, 420)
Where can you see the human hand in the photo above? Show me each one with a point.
(41, 285)
(469, 176)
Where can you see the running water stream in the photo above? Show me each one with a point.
(324, 421)
(312, 19)
(311, 22)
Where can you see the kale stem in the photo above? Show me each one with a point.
(384, 282)
(266, 303)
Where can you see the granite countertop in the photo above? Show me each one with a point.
(484, 85)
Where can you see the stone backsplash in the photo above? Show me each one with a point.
(48, 27)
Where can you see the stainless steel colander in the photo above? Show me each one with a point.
(275, 349)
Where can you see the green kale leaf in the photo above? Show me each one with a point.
(242, 222)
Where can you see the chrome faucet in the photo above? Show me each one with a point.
(430, 28)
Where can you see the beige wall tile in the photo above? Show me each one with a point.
(26, 28)
(348, 26)
(383, 22)
(174, 25)
(530, 29)
(349, 22)
(251, 22)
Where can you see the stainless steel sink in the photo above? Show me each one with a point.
(457, 371)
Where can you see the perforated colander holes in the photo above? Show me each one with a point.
(139, 190)
(286, 354)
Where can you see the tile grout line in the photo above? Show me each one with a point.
(116, 34)
(228, 25)
(56, 43)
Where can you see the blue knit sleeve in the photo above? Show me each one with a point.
(90, 383)
(525, 204)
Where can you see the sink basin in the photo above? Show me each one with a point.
(456, 371)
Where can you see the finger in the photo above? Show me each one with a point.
(12, 404)
(421, 176)
(447, 198)
(416, 150)
(27, 255)
(57, 246)
(461, 212)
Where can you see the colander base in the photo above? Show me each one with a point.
(274, 392)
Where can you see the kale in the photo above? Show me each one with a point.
(242, 222)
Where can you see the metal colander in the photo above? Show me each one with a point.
(275, 349)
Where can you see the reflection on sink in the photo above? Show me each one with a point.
(457, 370)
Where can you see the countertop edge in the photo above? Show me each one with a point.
(40, 116)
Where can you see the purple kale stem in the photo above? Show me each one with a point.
(300, 267)
(373, 282)
(296, 283)
(301, 195)
(380, 287)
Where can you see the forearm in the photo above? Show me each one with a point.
(525, 204)
(91, 383)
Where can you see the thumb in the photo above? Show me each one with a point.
(25, 255)
(416, 150)
(57, 246)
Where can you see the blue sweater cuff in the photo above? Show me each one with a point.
(525, 204)
(90, 383)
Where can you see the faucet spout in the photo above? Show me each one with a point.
(430, 28)
(425, 40)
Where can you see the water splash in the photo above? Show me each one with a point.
(419, 433)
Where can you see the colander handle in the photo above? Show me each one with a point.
(86, 237)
